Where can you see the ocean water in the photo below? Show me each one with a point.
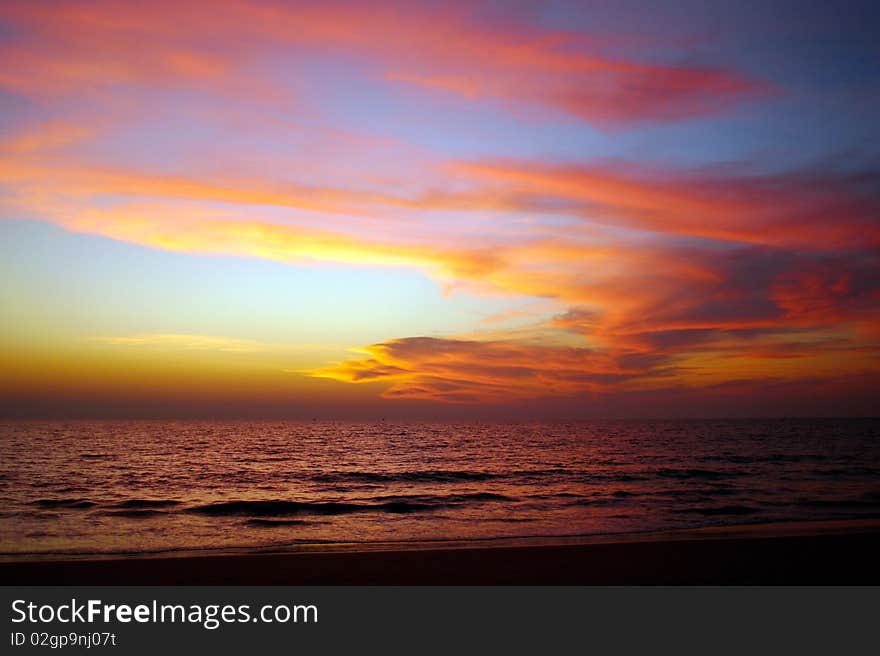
(133, 487)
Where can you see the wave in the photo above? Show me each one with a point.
(441, 500)
(147, 503)
(850, 471)
(720, 510)
(865, 502)
(276, 508)
(516, 520)
(268, 523)
(64, 503)
(40, 515)
(434, 476)
(128, 508)
(593, 477)
(525, 475)
(685, 493)
(706, 474)
(438, 476)
(142, 513)
(390, 504)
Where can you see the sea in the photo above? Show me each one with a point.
(142, 487)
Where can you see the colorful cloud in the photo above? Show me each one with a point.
(450, 48)
(572, 202)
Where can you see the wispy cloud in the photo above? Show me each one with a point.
(204, 129)
(454, 48)
(455, 370)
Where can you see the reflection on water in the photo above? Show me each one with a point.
(150, 486)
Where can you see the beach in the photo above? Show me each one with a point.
(373, 503)
(795, 553)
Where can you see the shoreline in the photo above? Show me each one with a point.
(815, 552)
(782, 528)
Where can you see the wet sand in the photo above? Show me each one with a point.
(815, 553)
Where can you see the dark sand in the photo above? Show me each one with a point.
(818, 553)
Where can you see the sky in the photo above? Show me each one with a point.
(518, 210)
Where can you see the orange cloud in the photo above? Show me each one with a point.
(504, 371)
(646, 277)
(813, 291)
(46, 137)
(627, 295)
(82, 180)
(634, 292)
(85, 46)
(176, 231)
(797, 209)
(455, 370)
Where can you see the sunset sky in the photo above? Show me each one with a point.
(437, 209)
